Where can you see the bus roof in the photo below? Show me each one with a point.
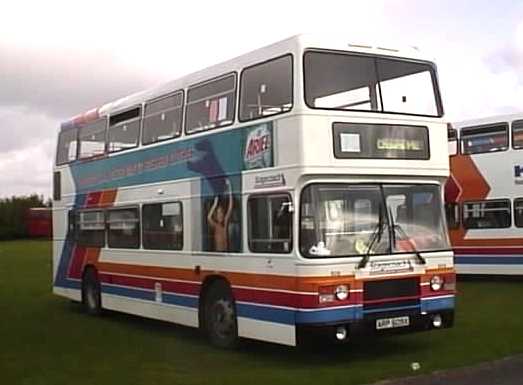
(488, 120)
(294, 44)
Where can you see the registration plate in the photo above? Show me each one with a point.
(390, 323)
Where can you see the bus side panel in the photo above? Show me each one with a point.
(63, 242)
(177, 314)
(267, 331)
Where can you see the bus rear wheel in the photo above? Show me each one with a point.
(91, 293)
(221, 324)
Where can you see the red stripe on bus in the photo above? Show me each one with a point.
(189, 288)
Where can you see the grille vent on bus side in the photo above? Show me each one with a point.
(393, 288)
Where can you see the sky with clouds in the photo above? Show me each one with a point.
(58, 58)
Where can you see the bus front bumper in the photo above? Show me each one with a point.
(379, 324)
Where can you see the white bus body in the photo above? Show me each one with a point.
(263, 216)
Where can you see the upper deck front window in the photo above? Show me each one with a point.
(351, 82)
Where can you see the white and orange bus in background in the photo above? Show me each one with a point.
(297, 187)
(484, 195)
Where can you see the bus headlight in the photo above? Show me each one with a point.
(342, 292)
(436, 283)
(333, 293)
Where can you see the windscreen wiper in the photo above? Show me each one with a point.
(404, 235)
(376, 235)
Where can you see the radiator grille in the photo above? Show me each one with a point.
(391, 288)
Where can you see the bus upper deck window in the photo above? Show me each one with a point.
(163, 119)
(67, 146)
(91, 139)
(211, 104)
(266, 89)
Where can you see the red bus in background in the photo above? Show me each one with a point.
(39, 222)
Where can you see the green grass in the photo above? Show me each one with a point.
(46, 339)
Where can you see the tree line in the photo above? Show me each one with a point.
(13, 213)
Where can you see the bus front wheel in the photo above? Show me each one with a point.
(220, 316)
(91, 297)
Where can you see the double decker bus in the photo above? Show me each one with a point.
(292, 189)
(484, 195)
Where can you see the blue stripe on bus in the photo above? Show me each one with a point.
(329, 315)
(291, 317)
(128, 292)
(279, 315)
(180, 300)
(259, 312)
(433, 304)
(264, 313)
(69, 284)
(489, 260)
(168, 298)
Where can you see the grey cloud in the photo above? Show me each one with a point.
(62, 83)
(39, 89)
(26, 171)
(21, 127)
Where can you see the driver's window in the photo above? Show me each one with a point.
(270, 223)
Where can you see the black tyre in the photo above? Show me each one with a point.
(91, 297)
(221, 324)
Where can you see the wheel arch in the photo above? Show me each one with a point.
(207, 283)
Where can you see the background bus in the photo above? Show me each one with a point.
(39, 222)
(298, 186)
(484, 196)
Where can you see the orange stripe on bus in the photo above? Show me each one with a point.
(108, 197)
(267, 281)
